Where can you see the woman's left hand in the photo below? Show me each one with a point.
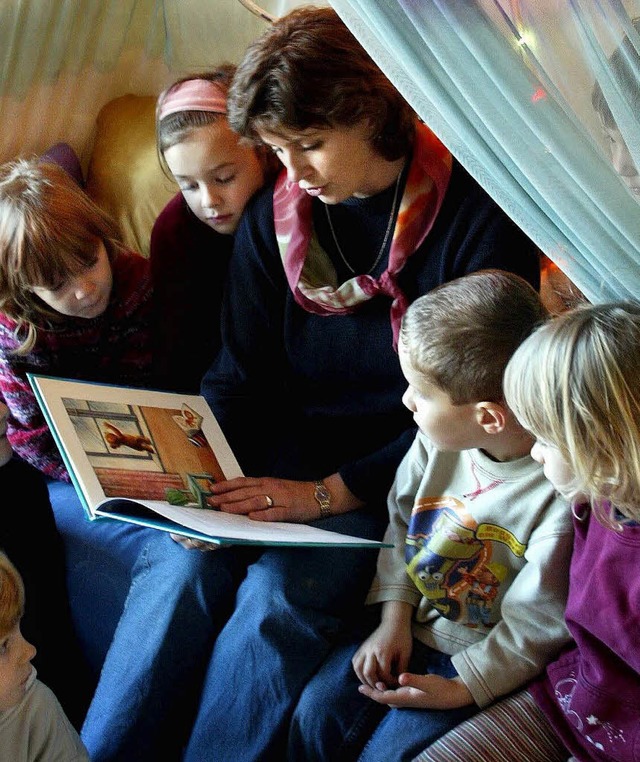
(266, 499)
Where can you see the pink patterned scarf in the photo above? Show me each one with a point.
(309, 270)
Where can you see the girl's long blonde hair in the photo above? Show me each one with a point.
(575, 384)
(49, 229)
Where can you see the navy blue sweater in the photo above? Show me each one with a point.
(301, 395)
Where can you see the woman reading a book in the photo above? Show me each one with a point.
(369, 212)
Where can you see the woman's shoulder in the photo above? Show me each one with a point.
(256, 228)
(463, 184)
(260, 206)
(468, 207)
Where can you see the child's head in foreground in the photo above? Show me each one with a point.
(455, 342)
(15, 652)
(56, 247)
(575, 385)
(216, 171)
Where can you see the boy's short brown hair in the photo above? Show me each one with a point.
(463, 333)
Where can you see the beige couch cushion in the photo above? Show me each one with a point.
(124, 176)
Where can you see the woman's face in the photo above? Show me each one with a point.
(332, 164)
(84, 295)
(216, 174)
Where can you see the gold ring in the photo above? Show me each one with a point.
(269, 501)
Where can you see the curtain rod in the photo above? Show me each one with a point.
(257, 10)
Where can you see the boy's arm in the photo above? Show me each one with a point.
(421, 692)
(386, 652)
(392, 582)
(532, 628)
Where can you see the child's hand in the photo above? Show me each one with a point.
(421, 692)
(383, 655)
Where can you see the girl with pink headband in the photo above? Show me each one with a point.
(192, 239)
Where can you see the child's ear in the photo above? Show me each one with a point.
(492, 416)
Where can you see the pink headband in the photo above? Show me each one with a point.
(194, 95)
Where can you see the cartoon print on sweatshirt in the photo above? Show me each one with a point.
(452, 560)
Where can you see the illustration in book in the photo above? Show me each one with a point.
(146, 453)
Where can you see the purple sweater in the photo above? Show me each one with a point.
(591, 692)
(113, 348)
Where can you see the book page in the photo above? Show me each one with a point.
(150, 458)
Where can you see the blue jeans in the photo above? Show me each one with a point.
(177, 601)
(333, 721)
(289, 612)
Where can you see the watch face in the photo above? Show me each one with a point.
(322, 492)
(323, 498)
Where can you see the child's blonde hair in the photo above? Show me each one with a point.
(461, 334)
(575, 384)
(11, 595)
(49, 231)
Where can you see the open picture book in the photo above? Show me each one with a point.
(150, 458)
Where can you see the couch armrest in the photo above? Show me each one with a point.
(124, 176)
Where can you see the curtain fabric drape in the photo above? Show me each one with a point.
(61, 60)
(507, 85)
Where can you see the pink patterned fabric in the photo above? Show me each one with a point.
(310, 273)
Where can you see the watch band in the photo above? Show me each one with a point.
(323, 498)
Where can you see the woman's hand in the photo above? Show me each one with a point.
(269, 499)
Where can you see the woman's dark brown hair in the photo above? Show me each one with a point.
(308, 70)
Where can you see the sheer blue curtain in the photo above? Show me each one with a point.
(507, 85)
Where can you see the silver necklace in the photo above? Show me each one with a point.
(384, 241)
